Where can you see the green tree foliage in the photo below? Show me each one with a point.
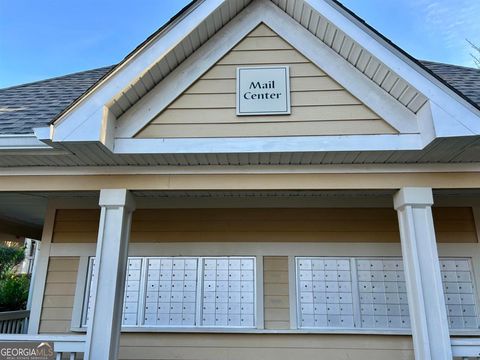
(9, 258)
(13, 287)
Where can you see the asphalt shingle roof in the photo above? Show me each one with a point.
(464, 79)
(27, 106)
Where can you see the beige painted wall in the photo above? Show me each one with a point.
(264, 347)
(59, 294)
(320, 106)
(275, 292)
(289, 179)
(265, 225)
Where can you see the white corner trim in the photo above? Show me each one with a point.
(424, 82)
(259, 291)
(41, 270)
(157, 99)
(292, 292)
(389, 109)
(90, 107)
(385, 142)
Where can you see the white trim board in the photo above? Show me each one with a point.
(250, 169)
(270, 144)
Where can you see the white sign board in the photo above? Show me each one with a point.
(263, 90)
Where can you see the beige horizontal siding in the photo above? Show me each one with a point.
(299, 85)
(298, 128)
(264, 225)
(228, 72)
(329, 100)
(57, 305)
(320, 106)
(264, 347)
(340, 114)
(276, 300)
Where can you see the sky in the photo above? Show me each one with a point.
(48, 38)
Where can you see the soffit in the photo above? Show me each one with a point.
(447, 150)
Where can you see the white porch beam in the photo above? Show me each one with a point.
(428, 316)
(104, 324)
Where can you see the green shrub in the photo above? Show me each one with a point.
(13, 287)
(9, 258)
(14, 292)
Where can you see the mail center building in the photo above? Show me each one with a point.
(258, 179)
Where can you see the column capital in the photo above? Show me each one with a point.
(117, 198)
(414, 196)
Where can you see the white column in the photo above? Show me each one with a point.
(428, 314)
(105, 318)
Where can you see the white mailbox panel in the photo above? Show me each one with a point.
(324, 298)
(380, 282)
(457, 277)
(228, 292)
(131, 295)
(172, 282)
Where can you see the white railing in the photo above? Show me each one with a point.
(14, 322)
(70, 345)
(466, 348)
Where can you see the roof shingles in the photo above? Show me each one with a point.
(464, 79)
(25, 107)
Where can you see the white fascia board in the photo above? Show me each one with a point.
(84, 122)
(294, 33)
(157, 99)
(269, 144)
(234, 170)
(424, 82)
(21, 142)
